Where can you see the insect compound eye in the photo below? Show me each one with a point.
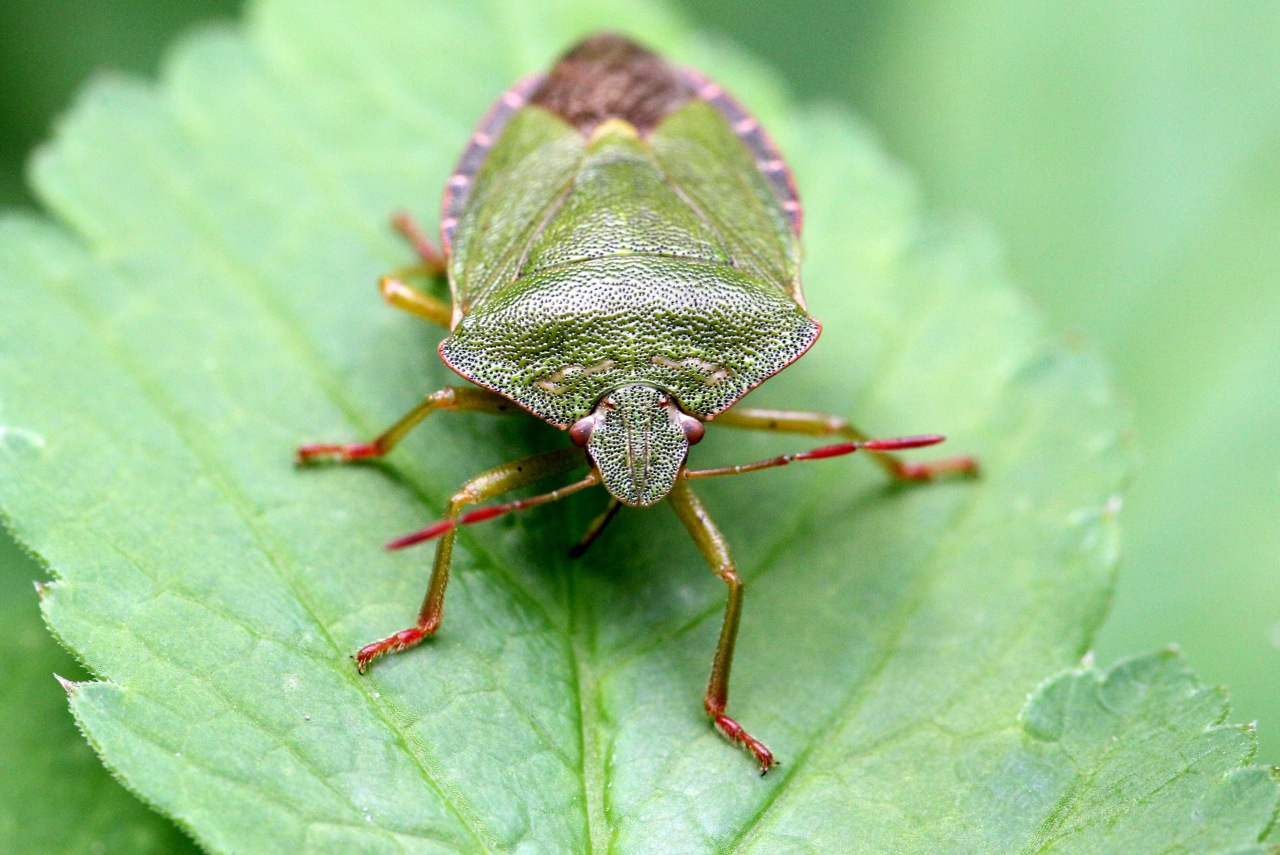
(580, 432)
(693, 429)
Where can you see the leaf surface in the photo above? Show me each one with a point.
(204, 304)
(54, 795)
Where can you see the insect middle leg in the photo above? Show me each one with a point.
(431, 265)
(458, 398)
(496, 481)
(825, 424)
(715, 550)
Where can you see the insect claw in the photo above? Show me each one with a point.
(763, 755)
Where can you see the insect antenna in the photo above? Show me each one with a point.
(491, 511)
(897, 443)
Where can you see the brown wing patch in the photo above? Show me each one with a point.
(768, 160)
(608, 76)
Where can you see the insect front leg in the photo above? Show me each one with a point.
(457, 398)
(494, 482)
(715, 550)
(825, 424)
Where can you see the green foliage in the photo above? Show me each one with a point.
(199, 310)
(1145, 728)
(1127, 155)
(55, 796)
(48, 48)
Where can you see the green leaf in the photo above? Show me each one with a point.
(1054, 121)
(54, 795)
(205, 304)
(1143, 762)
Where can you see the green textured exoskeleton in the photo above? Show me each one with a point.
(621, 241)
(632, 267)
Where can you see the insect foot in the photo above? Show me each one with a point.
(311, 454)
(734, 732)
(391, 644)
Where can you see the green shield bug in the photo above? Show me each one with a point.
(621, 241)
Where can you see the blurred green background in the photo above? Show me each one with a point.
(1128, 156)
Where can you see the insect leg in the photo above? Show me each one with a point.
(825, 424)
(404, 296)
(433, 262)
(594, 530)
(463, 398)
(486, 485)
(715, 550)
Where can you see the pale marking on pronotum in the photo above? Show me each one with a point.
(614, 125)
(562, 379)
(710, 372)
